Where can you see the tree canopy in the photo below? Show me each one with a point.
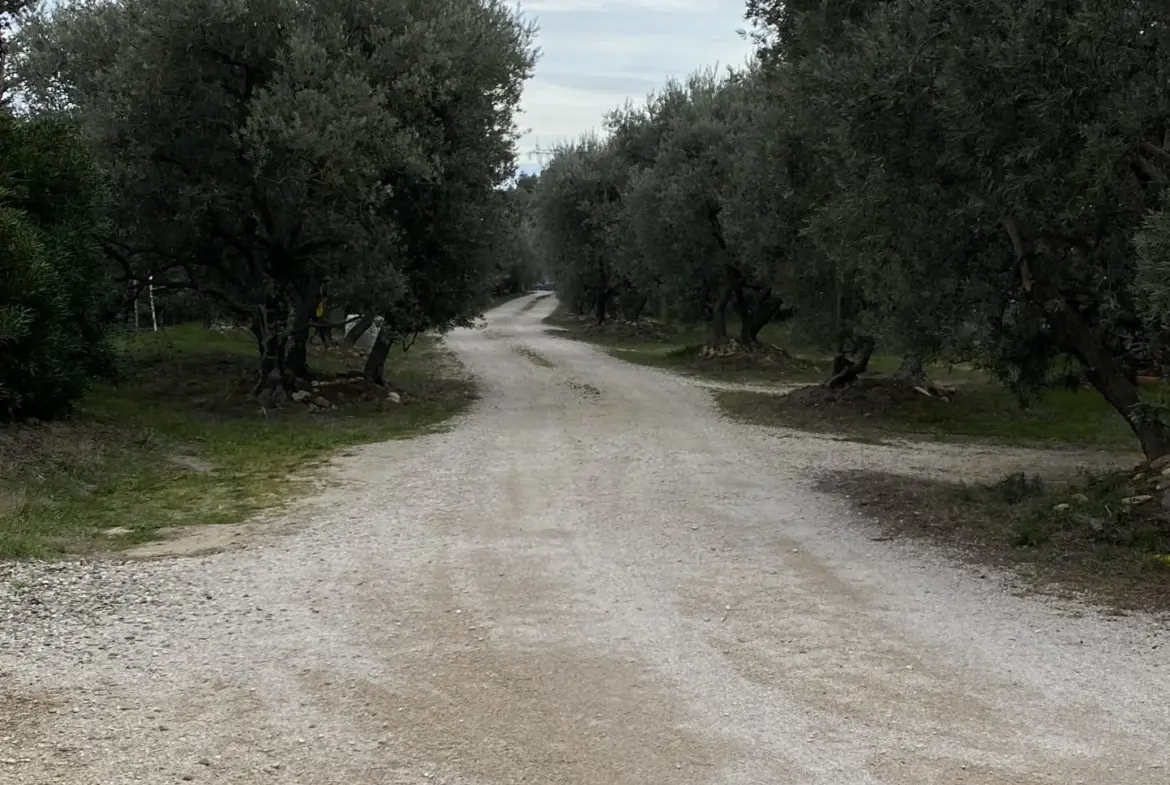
(942, 179)
(273, 154)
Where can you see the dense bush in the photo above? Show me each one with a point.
(52, 282)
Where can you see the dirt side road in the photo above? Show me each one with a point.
(592, 580)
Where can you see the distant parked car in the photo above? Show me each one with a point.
(544, 286)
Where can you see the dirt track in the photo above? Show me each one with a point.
(593, 579)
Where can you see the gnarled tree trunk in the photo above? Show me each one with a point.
(1109, 377)
(359, 329)
(913, 369)
(638, 307)
(268, 326)
(756, 311)
(719, 319)
(846, 370)
(1085, 339)
(376, 361)
(297, 360)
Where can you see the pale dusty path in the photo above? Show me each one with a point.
(592, 580)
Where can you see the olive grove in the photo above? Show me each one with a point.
(268, 155)
(937, 179)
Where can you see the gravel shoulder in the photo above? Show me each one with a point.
(592, 578)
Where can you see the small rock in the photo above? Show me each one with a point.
(300, 396)
(1160, 464)
(314, 408)
(1135, 500)
(393, 397)
(1080, 498)
(117, 531)
(1062, 508)
(1166, 501)
(321, 401)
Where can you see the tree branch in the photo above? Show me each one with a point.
(1152, 150)
(1022, 251)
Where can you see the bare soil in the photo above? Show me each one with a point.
(1072, 539)
(818, 408)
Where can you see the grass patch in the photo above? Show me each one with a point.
(178, 442)
(877, 407)
(1090, 536)
(534, 357)
(680, 349)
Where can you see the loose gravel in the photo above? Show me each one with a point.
(592, 579)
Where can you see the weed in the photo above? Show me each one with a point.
(1017, 487)
(1031, 532)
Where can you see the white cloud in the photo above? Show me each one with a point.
(569, 6)
(597, 54)
(555, 114)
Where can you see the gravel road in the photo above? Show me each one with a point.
(593, 579)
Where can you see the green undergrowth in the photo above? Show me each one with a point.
(984, 412)
(680, 349)
(178, 442)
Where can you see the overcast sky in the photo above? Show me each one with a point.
(597, 53)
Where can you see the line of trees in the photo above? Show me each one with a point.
(256, 156)
(942, 179)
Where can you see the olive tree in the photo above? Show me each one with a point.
(579, 209)
(1009, 151)
(272, 152)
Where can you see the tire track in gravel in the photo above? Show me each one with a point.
(573, 589)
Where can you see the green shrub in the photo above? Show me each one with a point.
(53, 281)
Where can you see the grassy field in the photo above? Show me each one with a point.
(177, 441)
